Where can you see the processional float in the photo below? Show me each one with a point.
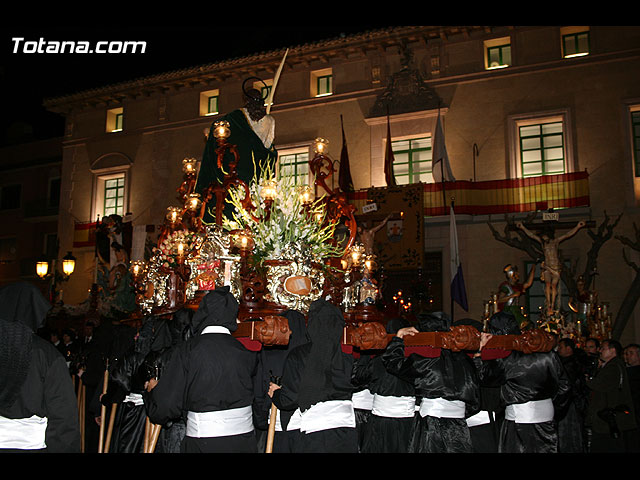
(192, 258)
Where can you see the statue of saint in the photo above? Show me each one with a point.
(511, 289)
(252, 132)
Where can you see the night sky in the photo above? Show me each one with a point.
(27, 79)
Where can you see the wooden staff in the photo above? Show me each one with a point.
(112, 418)
(103, 410)
(271, 433)
(147, 435)
(81, 413)
(155, 433)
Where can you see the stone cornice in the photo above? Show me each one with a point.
(347, 47)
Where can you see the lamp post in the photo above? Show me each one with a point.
(55, 277)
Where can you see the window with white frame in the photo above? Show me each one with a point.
(115, 119)
(294, 164)
(264, 87)
(540, 144)
(322, 82)
(575, 41)
(541, 149)
(497, 53)
(110, 194)
(209, 102)
(412, 160)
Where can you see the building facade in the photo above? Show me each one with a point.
(520, 107)
(30, 179)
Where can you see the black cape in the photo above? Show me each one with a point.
(450, 376)
(319, 371)
(209, 372)
(34, 378)
(522, 378)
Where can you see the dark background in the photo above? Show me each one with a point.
(27, 79)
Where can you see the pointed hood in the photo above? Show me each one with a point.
(23, 302)
(23, 310)
(396, 323)
(503, 323)
(218, 307)
(434, 322)
(325, 328)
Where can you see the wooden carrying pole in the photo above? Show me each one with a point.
(82, 390)
(103, 411)
(272, 428)
(151, 434)
(155, 433)
(147, 435)
(112, 418)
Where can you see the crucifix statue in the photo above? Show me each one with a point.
(551, 267)
(366, 235)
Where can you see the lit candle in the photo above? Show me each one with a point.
(180, 249)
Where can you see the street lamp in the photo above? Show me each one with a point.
(68, 264)
(42, 267)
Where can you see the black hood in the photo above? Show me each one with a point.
(23, 310)
(23, 302)
(396, 323)
(181, 325)
(218, 307)
(298, 327)
(471, 322)
(503, 323)
(325, 329)
(434, 322)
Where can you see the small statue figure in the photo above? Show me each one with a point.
(551, 267)
(511, 289)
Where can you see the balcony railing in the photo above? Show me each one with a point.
(500, 196)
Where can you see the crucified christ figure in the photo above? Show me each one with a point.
(551, 266)
(366, 235)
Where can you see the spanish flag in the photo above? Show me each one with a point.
(84, 234)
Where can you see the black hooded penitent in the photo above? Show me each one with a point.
(325, 328)
(218, 307)
(22, 312)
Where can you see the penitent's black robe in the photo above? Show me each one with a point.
(523, 378)
(451, 376)
(384, 434)
(319, 371)
(34, 378)
(271, 364)
(210, 372)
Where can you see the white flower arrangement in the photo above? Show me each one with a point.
(289, 229)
